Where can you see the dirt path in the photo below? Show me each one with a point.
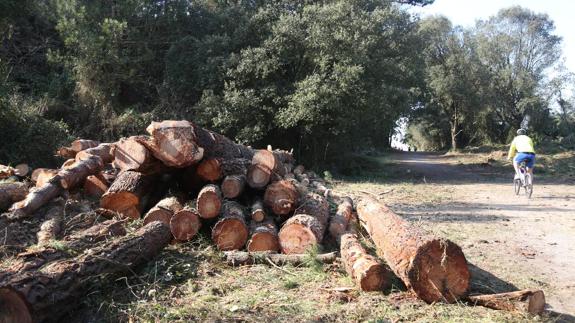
(529, 243)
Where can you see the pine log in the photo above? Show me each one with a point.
(209, 202)
(231, 231)
(21, 170)
(263, 236)
(258, 176)
(52, 292)
(307, 227)
(364, 269)
(131, 154)
(339, 222)
(36, 198)
(83, 144)
(66, 152)
(104, 151)
(209, 170)
(163, 211)
(174, 143)
(281, 197)
(185, 224)
(530, 301)
(68, 163)
(258, 211)
(278, 161)
(125, 195)
(77, 173)
(52, 226)
(218, 146)
(435, 269)
(11, 193)
(233, 186)
(94, 186)
(239, 258)
(43, 175)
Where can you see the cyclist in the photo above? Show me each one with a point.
(523, 145)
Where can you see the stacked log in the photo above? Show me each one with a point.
(126, 194)
(185, 224)
(209, 202)
(364, 269)
(263, 236)
(231, 231)
(281, 197)
(163, 211)
(11, 193)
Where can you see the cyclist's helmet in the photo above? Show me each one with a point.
(521, 132)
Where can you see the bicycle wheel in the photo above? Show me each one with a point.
(517, 186)
(528, 185)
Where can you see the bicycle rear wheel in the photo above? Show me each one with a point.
(528, 185)
(517, 186)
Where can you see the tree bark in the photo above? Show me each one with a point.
(526, 301)
(11, 193)
(51, 292)
(307, 227)
(231, 231)
(52, 227)
(36, 198)
(258, 212)
(263, 236)
(66, 152)
(239, 258)
(435, 269)
(76, 174)
(125, 195)
(339, 222)
(83, 144)
(185, 224)
(233, 186)
(43, 175)
(218, 146)
(163, 211)
(131, 154)
(104, 151)
(368, 274)
(281, 197)
(209, 202)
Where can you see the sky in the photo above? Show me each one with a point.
(466, 12)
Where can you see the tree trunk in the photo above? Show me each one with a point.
(104, 151)
(163, 211)
(131, 154)
(364, 269)
(233, 186)
(281, 197)
(526, 301)
(51, 228)
(83, 144)
(435, 269)
(258, 213)
(174, 143)
(305, 229)
(185, 224)
(218, 146)
(11, 193)
(53, 291)
(339, 222)
(263, 236)
(76, 174)
(43, 175)
(209, 202)
(125, 194)
(231, 231)
(94, 186)
(36, 198)
(239, 258)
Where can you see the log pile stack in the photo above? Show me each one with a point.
(180, 178)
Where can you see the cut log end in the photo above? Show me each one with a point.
(258, 215)
(374, 278)
(13, 307)
(439, 272)
(258, 176)
(527, 301)
(158, 215)
(233, 186)
(231, 234)
(263, 241)
(209, 202)
(185, 224)
(296, 238)
(124, 203)
(209, 170)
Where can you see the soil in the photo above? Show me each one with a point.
(517, 242)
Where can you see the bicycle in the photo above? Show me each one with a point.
(525, 180)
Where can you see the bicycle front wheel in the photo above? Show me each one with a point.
(528, 185)
(517, 186)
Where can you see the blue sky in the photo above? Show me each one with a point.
(466, 12)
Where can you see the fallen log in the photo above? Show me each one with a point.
(131, 154)
(163, 211)
(263, 236)
(364, 269)
(258, 212)
(65, 152)
(233, 186)
(219, 146)
(174, 143)
(530, 301)
(185, 224)
(239, 258)
(307, 227)
(94, 186)
(50, 293)
(36, 198)
(231, 231)
(125, 195)
(77, 173)
(83, 144)
(11, 193)
(435, 269)
(43, 175)
(52, 226)
(209, 201)
(104, 151)
(281, 197)
(339, 222)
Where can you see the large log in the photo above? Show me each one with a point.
(526, 301)
(131, 154)
(307, 227)
(219, 146)
(36, 198)
(50, 293)
(268, 166)
(104, 151)
(77, 173)
(263, 236)
(339, 222)
(163, 211)
(174, 143)
(125, 195)
(233, 186)
(231, 231)
(364, 269)
(11, 193)
(239, 258)
(52, 226)
(209, 170)
(83, 144)
(209, 202)
(43, 175)
(435, 269)
(281, 197)
(66, 152)
(185, 224)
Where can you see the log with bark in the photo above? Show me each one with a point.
(268, 166)
(43, 175)
(105, 151)
(83, 144)
(126, 194)
(68, 163)
(364, 269)
(185, 224)
(239, 258)
(209, 170)
(65, 152)
(339, 222)
(94, 186)
(50, 293)
(263, 236)
(258, 212)
(281, 197)
(233, 186)
(435, 269)
(11, 193)
(36, 198)
(52, 226)
(527, 301)
(209, 201)
(163, 211)
(219, 146)
(131, 154)
(307, 227)
(231, 230)
(77, 173)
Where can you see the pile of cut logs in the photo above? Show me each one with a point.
(181, 177)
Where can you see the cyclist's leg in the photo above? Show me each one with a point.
(530, 164)
(516, 162)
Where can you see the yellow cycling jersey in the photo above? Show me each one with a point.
(522, 144)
